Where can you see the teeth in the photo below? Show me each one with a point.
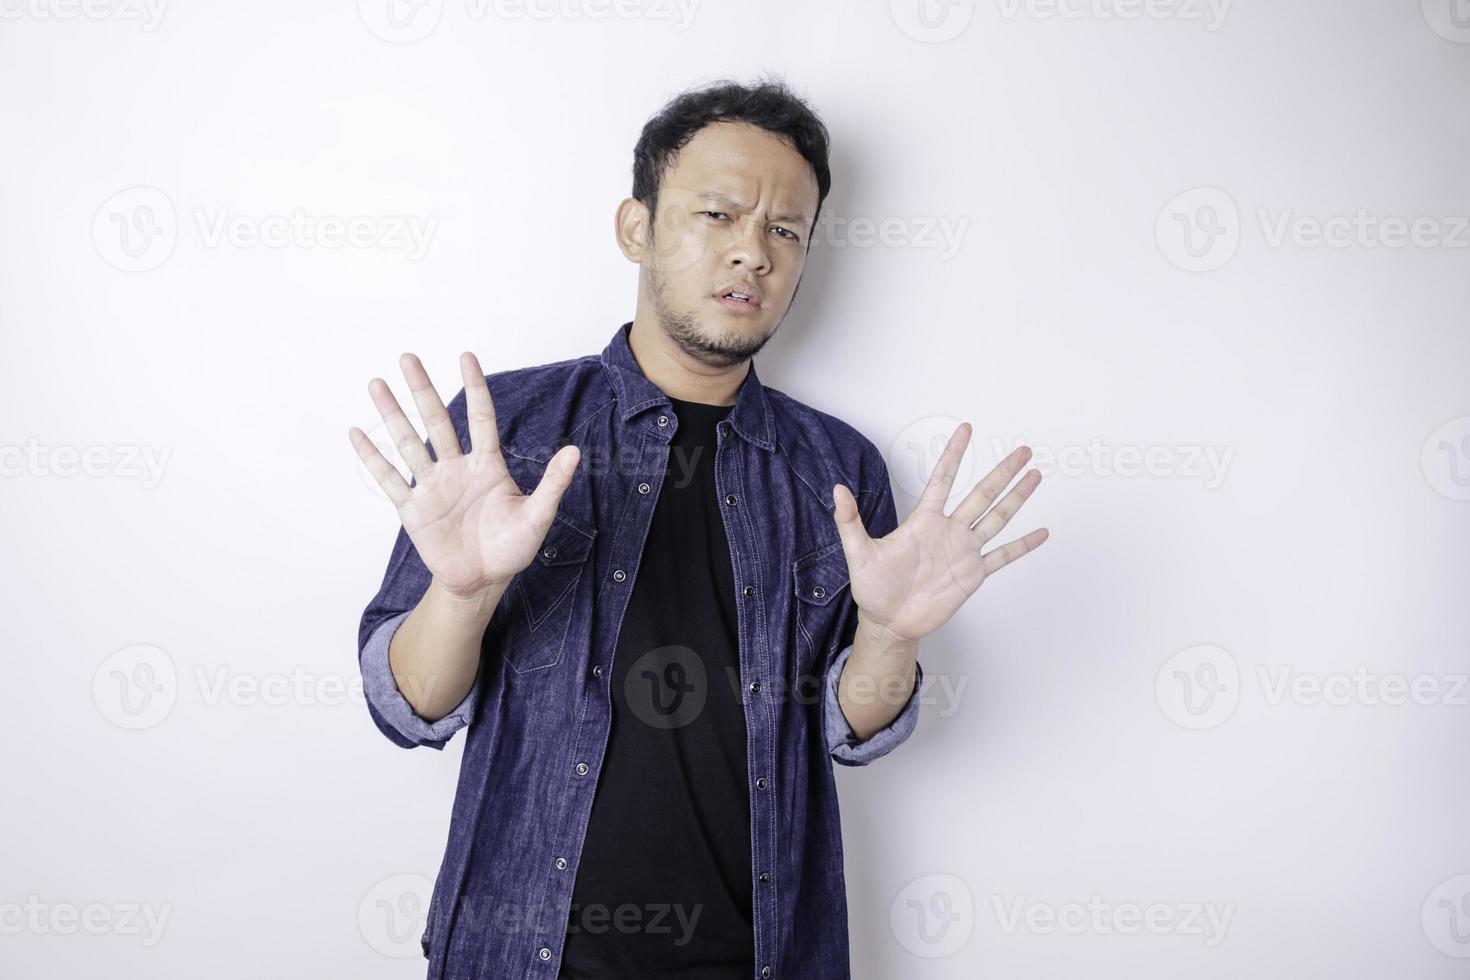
(739, 296)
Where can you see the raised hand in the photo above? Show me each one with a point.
(912, 581)
(472, 526)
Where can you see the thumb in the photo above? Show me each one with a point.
(849, 521)
(554, 482)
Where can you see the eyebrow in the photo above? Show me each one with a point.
(716, 197)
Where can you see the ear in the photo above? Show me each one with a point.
(631, 226)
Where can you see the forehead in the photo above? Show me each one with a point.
(746, 163)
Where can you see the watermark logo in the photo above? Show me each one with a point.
(1446, 917)
(1198, 687)
(1450, 19)
(382, 438)
(1199, 229)
(915, 451)
(136, 229)
(136, 687)
(400, 21)
(933, 916)
(394, 914)
(679, 231)
(1446, 458)
(932, 21)
(666, 687)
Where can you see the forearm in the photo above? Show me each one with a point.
(877, 679)
(435, 651)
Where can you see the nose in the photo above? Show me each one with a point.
(748, 249)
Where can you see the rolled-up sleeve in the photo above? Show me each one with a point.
(405, 581)
(842, 743)
(389, 705)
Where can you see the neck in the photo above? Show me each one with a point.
(676, 373)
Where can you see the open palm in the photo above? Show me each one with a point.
(472, 526)
(914, 579)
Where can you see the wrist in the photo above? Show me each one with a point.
(877, 639)
(477, 606)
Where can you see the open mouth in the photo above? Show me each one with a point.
(739, 301)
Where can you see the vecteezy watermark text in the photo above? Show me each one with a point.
(37, 917)
(122, 461)
(137, 229)
(1097, 916)
(1200, 687)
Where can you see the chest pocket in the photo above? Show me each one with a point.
(819, 576)
(541, 599)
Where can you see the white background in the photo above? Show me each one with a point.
(1067, 748)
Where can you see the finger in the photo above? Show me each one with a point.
(554, 482)
(980, 497)
(991, 524)
(479, 409)
(849, 522)
(383, 471)
(936, 491)
(437, 424)
(998, 558)
(406, 440)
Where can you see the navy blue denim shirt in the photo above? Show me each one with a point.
(538, 714)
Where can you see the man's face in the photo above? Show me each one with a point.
(735, 213)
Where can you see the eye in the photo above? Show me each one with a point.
(714, 213)
(789, 234)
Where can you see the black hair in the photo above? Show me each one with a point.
(768, 104)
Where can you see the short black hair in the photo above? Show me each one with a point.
(769, 104)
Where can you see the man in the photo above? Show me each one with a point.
(663, 597)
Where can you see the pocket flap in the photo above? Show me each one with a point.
(566, 543)
(820, 575)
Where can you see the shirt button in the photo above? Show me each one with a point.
(819, 592)
(730, 499)
(619, 575)
(749, 591)
(765, 877)
(765, 971)
(643, 488)
(597, 670)
(561, 864)
(581, 769)
(760, 783)
(663, 420)
(755, 687)
(545, 954)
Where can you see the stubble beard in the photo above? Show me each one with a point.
(705, 344)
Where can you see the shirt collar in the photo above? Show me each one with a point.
(750, 416)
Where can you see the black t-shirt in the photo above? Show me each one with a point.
(663, 889)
